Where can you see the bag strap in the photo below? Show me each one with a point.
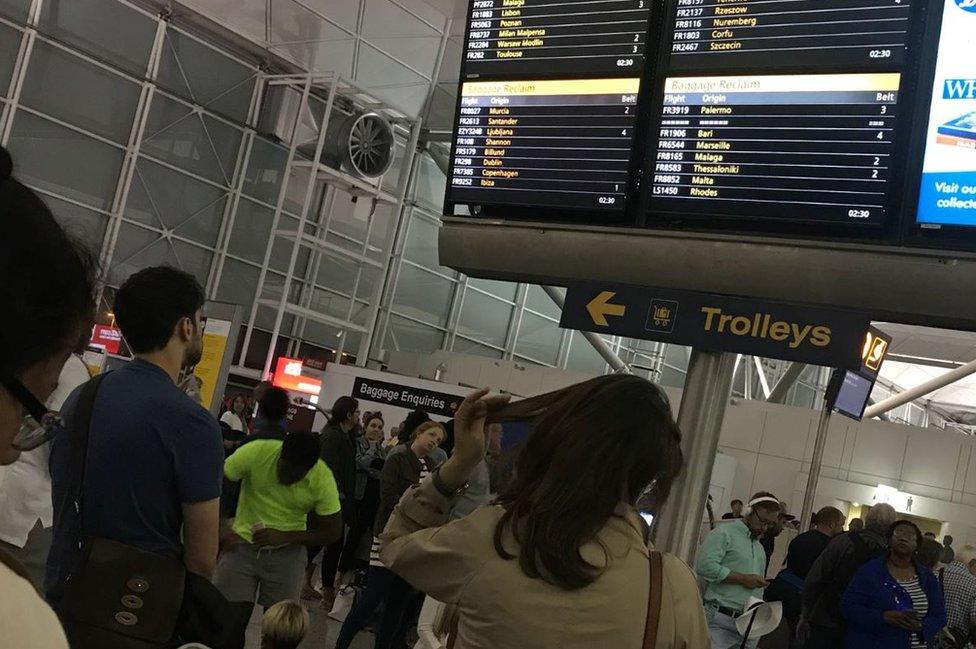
(752, 620)
(654, 600)
(80, 428)
(453, 633)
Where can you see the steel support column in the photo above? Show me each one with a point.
(782, 388)
(703, 404)
(823, 428)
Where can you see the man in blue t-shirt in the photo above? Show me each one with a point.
(155, 457)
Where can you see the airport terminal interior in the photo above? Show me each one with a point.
(713, 261)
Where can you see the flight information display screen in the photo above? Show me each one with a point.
(766, 116)
(548, 103)
(530, 38)
(806, 147)
(556, 143)
(711, 34)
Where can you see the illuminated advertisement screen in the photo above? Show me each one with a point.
(947, 193)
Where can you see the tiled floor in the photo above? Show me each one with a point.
(322, 635)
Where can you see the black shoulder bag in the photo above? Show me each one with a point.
(121, 597)
(118, 596)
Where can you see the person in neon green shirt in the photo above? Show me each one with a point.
(288, 500)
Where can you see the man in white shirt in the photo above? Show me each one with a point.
(26, 513)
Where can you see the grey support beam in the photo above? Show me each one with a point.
(921, 390)
(599, 344)
(782, 387)
(703, 404)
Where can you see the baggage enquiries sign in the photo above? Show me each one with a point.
(406, 396)
(819, 336)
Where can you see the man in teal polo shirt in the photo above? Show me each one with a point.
(731, 563)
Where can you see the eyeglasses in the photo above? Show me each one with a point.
(39, 424)
(767, 522)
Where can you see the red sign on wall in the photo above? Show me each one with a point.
(288, 376)
(108, 338)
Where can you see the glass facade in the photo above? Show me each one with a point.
(141, 133)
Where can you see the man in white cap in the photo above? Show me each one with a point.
(731, 563)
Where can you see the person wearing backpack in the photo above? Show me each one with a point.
(821, 622)
(803, 551)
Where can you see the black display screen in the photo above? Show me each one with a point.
(866, 34)
(763, 116)
(555, 143)
(804, 147)
(548, 104)
(519, 39)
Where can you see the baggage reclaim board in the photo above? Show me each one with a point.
(820, 146)
(783, 117)
(565, 143)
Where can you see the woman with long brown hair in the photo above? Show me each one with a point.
(562, 559)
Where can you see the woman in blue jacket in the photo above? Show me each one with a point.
(893, 602)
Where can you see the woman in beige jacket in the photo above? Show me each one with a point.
(561, 560)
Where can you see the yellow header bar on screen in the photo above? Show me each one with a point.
(551, 87)
(880, 82)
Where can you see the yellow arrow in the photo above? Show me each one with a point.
(600, 307)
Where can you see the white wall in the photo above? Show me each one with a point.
(773, 445)
(520, 379)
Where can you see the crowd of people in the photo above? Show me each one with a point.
(882, 583)
(131, 517)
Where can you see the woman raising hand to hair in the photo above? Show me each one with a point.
(561, 559)
(470, 438)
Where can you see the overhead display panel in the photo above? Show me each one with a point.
(781, 112)
(948, 185)
(785, 117)
(803, 147)
(556, 142)
(711, 34)
(548, 104)
(529, 38)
